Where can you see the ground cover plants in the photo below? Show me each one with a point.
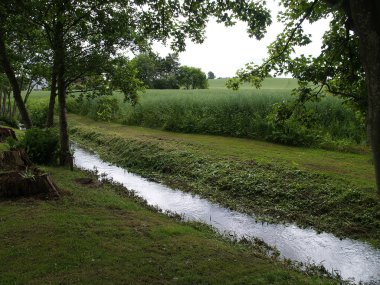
(282, 187)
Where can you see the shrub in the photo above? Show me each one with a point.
(107, 108)
(38, 114)
(291, 126)
(10, 122)
(42, 145)
(165, 83)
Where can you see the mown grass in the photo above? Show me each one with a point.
(327, 190)
(103, 235)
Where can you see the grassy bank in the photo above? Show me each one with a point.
(329, 191)
(102, 235)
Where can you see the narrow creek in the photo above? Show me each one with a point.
(352, 260)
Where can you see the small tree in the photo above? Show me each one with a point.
(211, 75)
(192, 77)
(146, 66)
(157, 72)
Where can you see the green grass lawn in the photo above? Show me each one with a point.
(103, 235)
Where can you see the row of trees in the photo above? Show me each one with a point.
(166, 72)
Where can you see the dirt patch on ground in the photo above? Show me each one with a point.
(88, 181)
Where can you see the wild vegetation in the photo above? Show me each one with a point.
(247, 113)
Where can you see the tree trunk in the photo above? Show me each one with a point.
(5, 63)
(14, 111)
(65, 156)
(4, 104)
(9, 107)
(366, 17)
(53, 95)
(1, 103)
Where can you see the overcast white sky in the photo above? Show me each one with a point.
(226, 49)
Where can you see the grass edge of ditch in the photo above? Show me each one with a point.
(179, 179)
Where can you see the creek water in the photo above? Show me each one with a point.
(352, 260)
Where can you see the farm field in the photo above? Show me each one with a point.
(246, 113)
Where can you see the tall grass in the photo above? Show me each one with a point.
(210, 111)
(243, 113)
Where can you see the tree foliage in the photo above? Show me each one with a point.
(348, 65)
(192, 78)
(166, 73)
(157, 72)
(210, 75)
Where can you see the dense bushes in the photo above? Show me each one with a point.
(247, 115)
(42, 145)
(104, 108)
(38, 114)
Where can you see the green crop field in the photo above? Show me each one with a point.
(269, 83)
(247, 113)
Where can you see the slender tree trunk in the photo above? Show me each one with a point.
(5, 63)
(1, 98)
(9, 107)
(14, 111)
(366, 17)
(53, 95)
(65, 156)
(4, 104)
(28, 91)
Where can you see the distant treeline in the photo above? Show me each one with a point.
(166, 72)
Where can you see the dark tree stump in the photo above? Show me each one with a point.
(15, 184)
(20, 178)
(14, 159)
(7, 133)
